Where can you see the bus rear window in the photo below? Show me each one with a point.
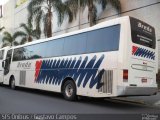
(142, 33)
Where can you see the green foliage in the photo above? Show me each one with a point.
(92, 10)
(9, 39)
(41, 11)
(1, 29)
(5, 45)
(27, 34)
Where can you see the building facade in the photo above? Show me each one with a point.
(15, 13)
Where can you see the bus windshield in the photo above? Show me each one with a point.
(1, 54)
(142, 33)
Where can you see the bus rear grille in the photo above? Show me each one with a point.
(22, 78)
(107, 80)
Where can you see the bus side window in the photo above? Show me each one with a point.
(1, 54)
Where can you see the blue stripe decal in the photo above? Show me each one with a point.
(141, 52)
(55, 71)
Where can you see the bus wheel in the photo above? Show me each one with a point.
(12, 84)
(69, 90)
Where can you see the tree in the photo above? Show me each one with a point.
(1, 29)
(9, 39)
(28, 34)
(91, 4)
(4, 45)
(42, 10)
(23, 41)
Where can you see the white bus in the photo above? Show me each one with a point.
(114, 58)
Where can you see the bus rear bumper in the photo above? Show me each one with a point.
(136, 91)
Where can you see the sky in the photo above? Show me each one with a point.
(3, 2)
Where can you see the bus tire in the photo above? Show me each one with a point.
(69, 90)
(12, 83)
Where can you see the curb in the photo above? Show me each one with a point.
(136, 102)
(129, 101)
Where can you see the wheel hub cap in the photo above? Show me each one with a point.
(69, 90)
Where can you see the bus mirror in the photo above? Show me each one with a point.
(3, 63)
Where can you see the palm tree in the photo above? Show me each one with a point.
(28, 34)
(23, 41)
(9, 39)
(5, 45)
(1, 29)
(91, 4)
(42, 10)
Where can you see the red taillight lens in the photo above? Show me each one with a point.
(125, 75)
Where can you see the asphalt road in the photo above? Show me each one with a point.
(35, 101)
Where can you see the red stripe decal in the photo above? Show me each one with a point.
(134, 49)
(37, 69)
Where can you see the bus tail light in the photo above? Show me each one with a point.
(125, 75)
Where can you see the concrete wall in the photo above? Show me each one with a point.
(8, 18)
(20, 16)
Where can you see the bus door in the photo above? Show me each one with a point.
(7, 62)
(1, 68)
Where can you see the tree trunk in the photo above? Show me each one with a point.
(49, 24)
(29, 39)
(90, 13)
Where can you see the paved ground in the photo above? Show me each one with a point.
(35, 101)
(153, 100)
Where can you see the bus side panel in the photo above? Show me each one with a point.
(87, 70)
